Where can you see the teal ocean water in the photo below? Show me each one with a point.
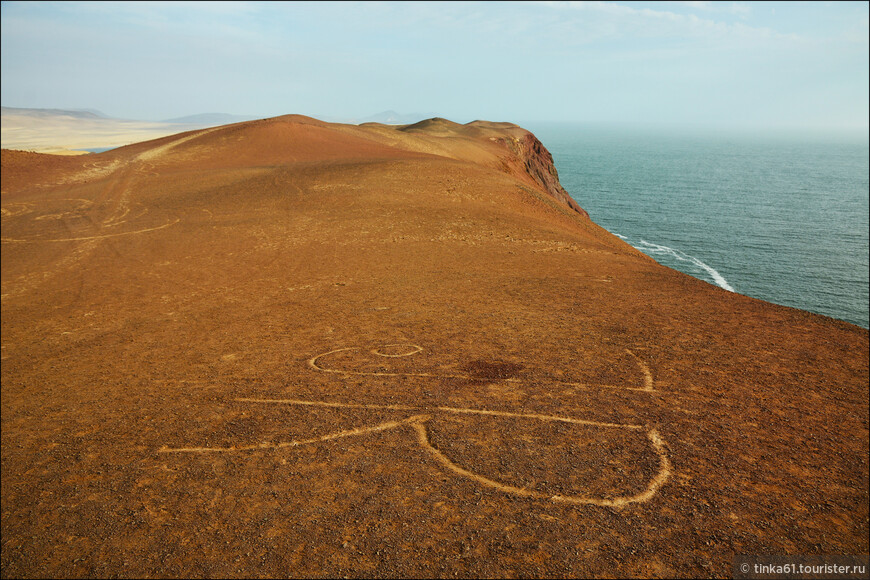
(784, 219)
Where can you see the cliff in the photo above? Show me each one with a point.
(518, 152)
(294, 348)
(528, 153)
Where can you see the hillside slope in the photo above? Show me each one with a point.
(293, 348)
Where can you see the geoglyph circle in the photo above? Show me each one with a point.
(414, 350)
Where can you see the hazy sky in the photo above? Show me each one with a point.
(683, 63)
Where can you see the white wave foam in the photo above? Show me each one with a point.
(650, 248)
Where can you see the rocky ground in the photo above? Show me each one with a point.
(289, 348)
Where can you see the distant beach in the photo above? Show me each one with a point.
(46, 131)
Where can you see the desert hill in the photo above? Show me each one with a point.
(293, 348)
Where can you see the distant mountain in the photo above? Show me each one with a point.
(385, 117)
(46, 113)
(95, 112)
(394, 118)
(211, 119)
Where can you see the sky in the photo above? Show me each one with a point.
(720, 64)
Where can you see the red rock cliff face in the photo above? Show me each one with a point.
(529, 155)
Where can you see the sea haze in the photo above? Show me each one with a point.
(784, 219)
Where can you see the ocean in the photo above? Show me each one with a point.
(780, 218)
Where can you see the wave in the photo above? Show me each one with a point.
(650, 248)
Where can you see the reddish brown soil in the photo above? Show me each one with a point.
(168, 307)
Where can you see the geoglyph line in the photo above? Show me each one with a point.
(328, 404)
(657, 481)
(647, 375)
(296, 443)
(16, 241)
(536, 416)
(20, 208)
(423, 414)
(378, 352)
(418, 423)
(454, 410)
(123, 209)
(161, 149)
(312, 362)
